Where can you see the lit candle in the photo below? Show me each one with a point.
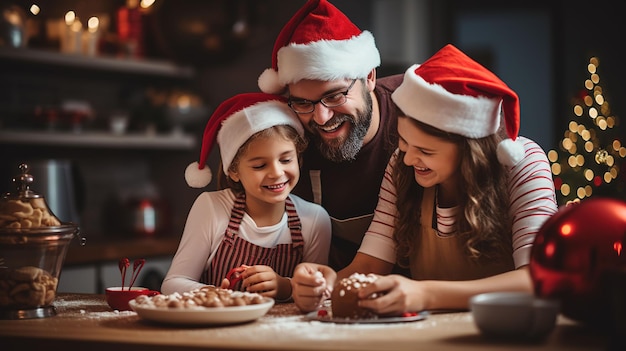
(71, 39)
(91, 36)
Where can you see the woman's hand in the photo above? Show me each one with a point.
(400, 294)
(312, 284)
(396, 295)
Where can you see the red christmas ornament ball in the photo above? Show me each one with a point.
(578, 257)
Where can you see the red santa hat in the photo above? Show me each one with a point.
(454, 93)
(319, 43)
(233, 123)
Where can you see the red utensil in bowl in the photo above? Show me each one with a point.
(123, 264)
(137, 266)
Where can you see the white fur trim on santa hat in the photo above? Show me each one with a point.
(196, 177)
(328, 59)
(240, 126)
(510, 152)
(470, 116)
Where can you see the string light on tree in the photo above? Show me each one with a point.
(588, 159)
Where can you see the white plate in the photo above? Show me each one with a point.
(313, 316)
(208, 315)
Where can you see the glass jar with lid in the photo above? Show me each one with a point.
(33, 246)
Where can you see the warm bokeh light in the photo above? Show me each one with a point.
(567, 144)
(92, 24)
(578, 110)
(586, 135)
(593, 113)
(566, 229)
(571, 161)
(595, 78)
(183, 102)
(613, 172)
(553, 156)
(34, 9)
(610, 160)
(549, 249)
(599, 99)
(591, 68)
(70, 17)
(610, 121)
(146, 3)
(565, 189)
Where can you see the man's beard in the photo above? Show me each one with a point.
(345, 149)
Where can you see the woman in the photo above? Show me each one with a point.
(459, 205)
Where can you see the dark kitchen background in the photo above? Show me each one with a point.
(107, 100)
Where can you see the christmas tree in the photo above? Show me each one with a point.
(590, 158)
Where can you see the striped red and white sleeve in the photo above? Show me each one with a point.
(532, 199)
(378, 240)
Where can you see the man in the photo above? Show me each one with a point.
(327, 67)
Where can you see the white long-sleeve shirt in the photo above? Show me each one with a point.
(206, 224)
(532, 202)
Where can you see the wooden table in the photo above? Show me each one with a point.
(86, 322)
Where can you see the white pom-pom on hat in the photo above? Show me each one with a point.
(197, 177)
(268, 82)
(510, 152)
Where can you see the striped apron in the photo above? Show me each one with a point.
(235, 251)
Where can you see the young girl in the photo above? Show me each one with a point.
(459, 205)
(255, 227)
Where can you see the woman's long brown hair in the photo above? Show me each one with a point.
(482, 196)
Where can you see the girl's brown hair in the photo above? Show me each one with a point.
(483, 223)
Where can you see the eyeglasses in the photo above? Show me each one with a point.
(330, 101)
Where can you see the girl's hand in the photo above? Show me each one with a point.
(233, 276)
(263, 280)
(312, 284)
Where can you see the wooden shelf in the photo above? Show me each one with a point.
(122, 65)
(99, 139)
